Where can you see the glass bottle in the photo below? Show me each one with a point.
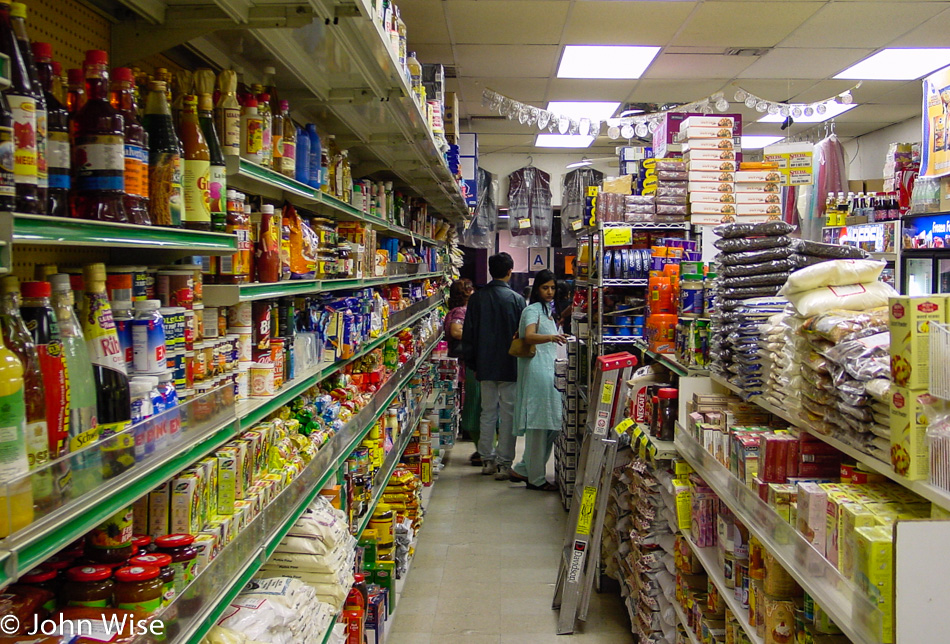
(263, 109)
(252, 135)
(18, 339)
(98, 156)
(218, 185)
(228, 113)
(75, 91)
(57, 133)
(108, 363)
(7, 151)
(17, 499)
(277, 139)
(164, 159)
(18, 21)
(236, 268)
(267, 255)
(83, 421)
(22, 98)
(288, 143)
(197, 175)
(122, 98)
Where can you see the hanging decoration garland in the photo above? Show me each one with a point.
(640, 125)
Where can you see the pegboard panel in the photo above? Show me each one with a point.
(26, 257)
(71, 27)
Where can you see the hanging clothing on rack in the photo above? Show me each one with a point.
(573, 199)
(480, 232)
(530, 215)
(831, 175)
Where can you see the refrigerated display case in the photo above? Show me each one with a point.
(925, 256)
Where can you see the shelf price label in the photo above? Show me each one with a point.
(524, 222)
(618, 236)
(577, 224)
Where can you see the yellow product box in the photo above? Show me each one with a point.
(910, 452)
(874, 572)
(246, 507)
(239, 518)
(255, 445)
(244, 453)
(224, 526)
(227, 480)
(832, 508)
(210, 465)
(186, 503)
(850, 517)
(216, 528)
(140, 515)
(793, 514)
(159, 510)
(781, 497)
(208, 546)
(909, 320)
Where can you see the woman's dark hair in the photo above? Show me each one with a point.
(458, 293)
(543, 277)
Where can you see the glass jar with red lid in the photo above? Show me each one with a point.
(142, 544)
(88, 586)
(138, 588)
(184, 556)
(45, 578)
(167, 574)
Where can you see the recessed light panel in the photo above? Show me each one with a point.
(833, 110)
(759, 141)
(594, 110)
(898, 64)
(563, 141)
(605, 61)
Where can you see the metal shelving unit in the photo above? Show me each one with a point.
(231, 294)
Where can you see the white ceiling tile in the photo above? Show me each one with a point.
(818, 63)
(697, 66)
(501, 126)
(911, 92)
(744, 24)
(434, 53)
(932, 33)
(510, 61)
(675, 91)
(869, 24)
(625, 23)
(507, 23)
(880, 114)
(425, 21)
(771, 89)
(526, 90)
(869, 92)
(574, 89)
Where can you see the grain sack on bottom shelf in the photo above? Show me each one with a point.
(318, 551)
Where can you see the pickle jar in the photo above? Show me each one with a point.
(89, 586)
(167, 574)
(182, 551)
(138, 588)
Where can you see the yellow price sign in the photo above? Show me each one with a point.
(586, 517)
(524, 222)
(618, 236)
(576, 224)
(608, 397)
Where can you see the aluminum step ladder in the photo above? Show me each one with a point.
(580, 556)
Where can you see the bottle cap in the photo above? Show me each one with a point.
(359, 578)
(250, 101)
(36, 289)
(123, 74)
(97, 57)
(60, 282)
(75, 76)
(284, 105)
(121, 304)
(10, 284)
(267, 209)
(94, 272)
(265, 97)
(42, 50)
(38, 575)
(174, 540)
(156, 86)
(18, 10)
(668, 393)
(57, 68)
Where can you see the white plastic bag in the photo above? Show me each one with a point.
(850, 297)
(836, 272)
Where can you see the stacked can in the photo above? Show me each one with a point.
(239, 329)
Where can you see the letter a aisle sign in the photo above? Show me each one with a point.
(539, 259)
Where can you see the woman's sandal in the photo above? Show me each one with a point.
(517, 478)
(547, 487)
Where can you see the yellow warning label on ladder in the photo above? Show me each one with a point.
(588, 505)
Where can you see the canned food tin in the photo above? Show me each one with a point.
(261, 379)
(209, 322)
(277, 357)
(199, 322)
(244, 343)
(176, 288)
(239, 315)
(241, 385)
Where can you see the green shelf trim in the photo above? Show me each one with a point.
(271, 177)
(271, 290)
(40, 229)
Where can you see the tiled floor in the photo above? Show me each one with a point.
(486, 564)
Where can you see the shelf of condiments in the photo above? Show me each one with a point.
(152, 149)
(861, 208)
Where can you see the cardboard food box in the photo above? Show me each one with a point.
(910, 452)
(851, 516)
(812, 499)
(712, 165)
(711, 186)
(693, 133)
(712, 177)
(709, 144)
(710, 155)
(711, 197)
(910, 320)
(758, 209)
(759, 187)
(703, 208)
(874, 573)
(758, 176)
(708, 121)
(758, 198)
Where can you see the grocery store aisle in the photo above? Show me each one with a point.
(486, 565)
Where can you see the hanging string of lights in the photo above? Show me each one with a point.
(640, 125)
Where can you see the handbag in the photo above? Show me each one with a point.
(521, 349)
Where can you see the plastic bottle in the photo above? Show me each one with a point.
(314, 171)
(288, 143)
(197, 169)
(75, 90)
(98, 158)
(141, 405)
(415, 76)
(122, 315)
(17, 498)
(267, 253)
(57, 134)
(22, 98)
(302, 162)
(166, 386)
(18, 339)
(122, 98)
(148, 338)
(87, 468)
(164, 159)
(18, 21)
(252, 135)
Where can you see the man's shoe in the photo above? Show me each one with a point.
(488, 467)
(475, 459)
(503, 473)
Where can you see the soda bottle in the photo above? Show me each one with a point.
(21, 96)
(218, 186)
(122, 98)
(99, 151)
(164, 159)
(197, 165)
(57, 133)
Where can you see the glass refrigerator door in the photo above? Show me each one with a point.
(920, 275)
(943, 275)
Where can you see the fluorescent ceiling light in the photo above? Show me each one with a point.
(758, 141)
(594, 110)
(563, 141)
(898, 64)
(834, 109)
(605, 61)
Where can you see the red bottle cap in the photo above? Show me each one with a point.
(57, 68)
(174, 540)
(36, 289)
(359, 577)
(75, 76)
(155, 559)
(97, 57)
(141, 540)
(39, 575)
(42, 50)
(250, 101)
(284, 105)
(89, 573)
(265, 97)
(668, 393)
(123, 74)
(137, 573)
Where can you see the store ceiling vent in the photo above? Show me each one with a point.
(747, 51)
(451, 71)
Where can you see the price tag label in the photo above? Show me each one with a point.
(524, 222)
(618, 236)
(623, 426)
(576, 224)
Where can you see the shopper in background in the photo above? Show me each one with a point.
(538, 405)
(563, 304)
(490, 325)
(459, 293)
